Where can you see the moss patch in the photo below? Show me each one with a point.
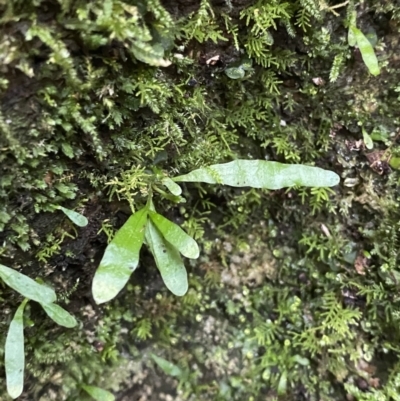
(294, 296)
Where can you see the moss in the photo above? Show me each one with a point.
(295, 294)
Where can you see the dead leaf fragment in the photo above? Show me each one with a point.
(354, 145)
(213, 60)
(48, 178)
(379, 161)
(374, 382)
(360, 264)
(318, 81)
(325, 230)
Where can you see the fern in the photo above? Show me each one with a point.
(164, 19)
(232, 29)
(142, 331)
(312, 7)
(257, 48)
(262, 15)
(338, 319)
(337, 65)
(202, 26)
(333, 329)
(266, 333)
(152, 91)
(319, 198)
(303, 19)
(130, 183)
(60, 54)
(192, 298)
(270, 82)
(166, 132)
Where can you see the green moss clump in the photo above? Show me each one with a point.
(295, 295)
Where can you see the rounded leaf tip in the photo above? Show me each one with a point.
(334, 178)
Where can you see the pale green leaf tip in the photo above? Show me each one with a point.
(335, 179)
(98, 393)
(103, 288)
(15, 391)
(100, 300)
(195, 250)
(191, 252)
(99, 296)
(72, 322)
(77, 218)
(98, 291)
(103, 292)
(174, 188)
(180, 291)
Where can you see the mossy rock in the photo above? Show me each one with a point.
(294, 296)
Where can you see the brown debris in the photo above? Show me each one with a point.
(360, 264)
(379, 161)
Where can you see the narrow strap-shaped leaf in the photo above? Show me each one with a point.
(352, 22)
(183, 242)
(282, 384)
(59, 315)
(98, 393)
(262, 174)
(75, 217)
(173, 187)
(167, 367)
(26, 286)
(369, 144)
(351, 38)
(367, 51)
(14, 358)
(168, 261)
(120, 258)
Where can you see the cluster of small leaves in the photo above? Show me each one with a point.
(14, 347)
(166, 239)
(336, 325)
(201, 25)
